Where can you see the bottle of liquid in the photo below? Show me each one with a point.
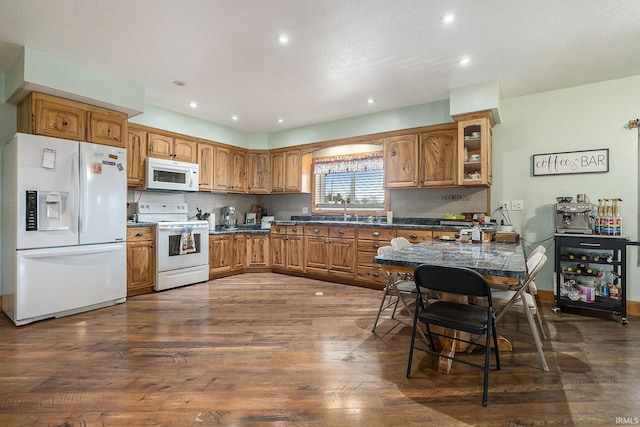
(476, 233)
(617, 219)
(598, 219)
(609, 219)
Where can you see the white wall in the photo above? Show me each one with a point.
(579, 118)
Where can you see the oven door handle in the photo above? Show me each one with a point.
(180, 227)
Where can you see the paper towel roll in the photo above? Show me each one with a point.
(212, 222)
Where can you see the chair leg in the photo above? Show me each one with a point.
(413, 343)
(487, 360)
(536, 337)
(384, 298)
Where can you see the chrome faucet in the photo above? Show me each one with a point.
(344, 202)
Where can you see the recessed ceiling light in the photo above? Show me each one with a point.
(447, 18)
(280, 120)
(179, 83)
(283, 39)
(234, 118)
(193, 104)
(370, 101)
(465, 61)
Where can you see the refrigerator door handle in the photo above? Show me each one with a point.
(75, 193)
(84, 189)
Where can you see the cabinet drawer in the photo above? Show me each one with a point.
(342, 232)
(366, 258)
(376, 233)
(444, 233)
(138, 234)
(295, 230)
(371, 246)
(316, 230)
(415, 236)
(372, 275)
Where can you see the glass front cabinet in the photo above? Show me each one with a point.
(591, 273)
(474, 148)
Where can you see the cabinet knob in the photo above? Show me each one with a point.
(376, 246)
(294, 229)
(277, 228)
(316, 230)
(414, 236)
(340, 231)
(376, 274)
(375, 234)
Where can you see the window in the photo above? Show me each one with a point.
(357, 180)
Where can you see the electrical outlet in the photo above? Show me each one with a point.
(305, 210)
(517, 205)
(505, 205)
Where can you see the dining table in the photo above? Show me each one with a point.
(503, 264)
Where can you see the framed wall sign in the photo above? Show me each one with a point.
(588, 161)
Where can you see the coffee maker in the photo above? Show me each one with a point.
(573, 218)
(229, 217)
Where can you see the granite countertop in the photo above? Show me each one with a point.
(254, 229)
(488, 259)
(406, 223)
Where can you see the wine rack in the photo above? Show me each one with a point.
(591, 273)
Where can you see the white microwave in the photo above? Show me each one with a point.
(170, 175)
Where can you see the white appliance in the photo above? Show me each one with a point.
(64, 227)
(161, 174)
(182, 246)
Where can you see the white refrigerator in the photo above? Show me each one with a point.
(64, 227)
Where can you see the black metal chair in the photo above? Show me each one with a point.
(475, 320)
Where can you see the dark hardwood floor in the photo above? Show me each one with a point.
(268, 349)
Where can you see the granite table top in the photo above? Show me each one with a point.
(488, 259)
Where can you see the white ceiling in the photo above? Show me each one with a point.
(343, 51)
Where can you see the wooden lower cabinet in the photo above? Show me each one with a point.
(257, 250)
(220, 254)
(239, 251)
(369, 240)
(141, 260)
(330, 251)
(287, 247)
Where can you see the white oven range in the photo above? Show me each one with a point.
(182, 246)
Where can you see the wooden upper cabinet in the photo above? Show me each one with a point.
(205, 162)
(43, 114)
(438, 158)
(167, 147)
(107, 127)
(258, 172)
(222, 168)
(290, 172)
(401, 161)
(475, 148)
(136, 156)
(185, 151)
(239, 173)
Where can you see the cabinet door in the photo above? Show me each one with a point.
(342, 257)
(277, 172)
(141, 258)
(205, 161)
(474, 148)
(278, 250)
(316, 256)
(401, 161)
(258, 250)
(438, 156)
(185, 151)
(295, 253)
(219, 254)
(239, 252)
(107, 127)
(136, 156)
(239, 172)
(160, 146)
(258, 173)
(58, 118)
(293, 171)
(222, 168)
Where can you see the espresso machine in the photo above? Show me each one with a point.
(573, 217)
(229, 217)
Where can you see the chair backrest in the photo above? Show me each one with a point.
(453, 280)
(535, 264)
(400, 242)
(540, 249)
(385, 250)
